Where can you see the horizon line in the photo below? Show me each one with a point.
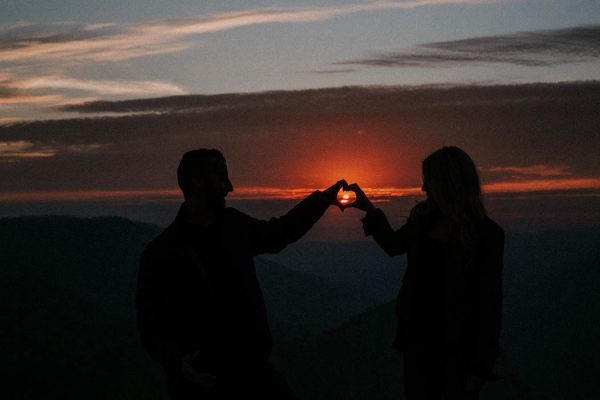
(377, 194)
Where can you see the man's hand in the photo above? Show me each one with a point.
(362, 201)
(329, 195)
(202, 379)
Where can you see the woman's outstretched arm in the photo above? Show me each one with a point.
(375, 223)
(393, 242)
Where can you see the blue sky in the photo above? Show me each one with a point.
(113, 50)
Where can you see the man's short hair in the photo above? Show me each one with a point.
(196, 163)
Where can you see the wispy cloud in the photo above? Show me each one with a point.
(535, 170)
(8, 120)
(12, 151)
(70, 43)
(533, 49)
(58, 48)
(54, 91)
(334, 71)
(102, 87)
(111, 42)
(14, 97)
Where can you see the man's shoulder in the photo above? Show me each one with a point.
(162, 242)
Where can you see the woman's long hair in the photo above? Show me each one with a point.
(453, 184)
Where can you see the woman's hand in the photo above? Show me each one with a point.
(362, 201)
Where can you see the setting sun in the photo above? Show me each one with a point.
(346, 197)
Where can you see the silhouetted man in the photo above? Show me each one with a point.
(201, 312)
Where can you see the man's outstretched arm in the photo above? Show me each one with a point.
(273, 235)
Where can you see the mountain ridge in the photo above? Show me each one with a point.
(67, 281)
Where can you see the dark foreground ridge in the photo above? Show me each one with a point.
(68, 327)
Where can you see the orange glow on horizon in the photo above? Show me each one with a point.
(541, 185)
(276, 193)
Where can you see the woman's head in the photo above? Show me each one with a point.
(451, 181)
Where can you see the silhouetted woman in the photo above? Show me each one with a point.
(449, 305)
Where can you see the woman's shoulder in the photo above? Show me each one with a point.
(490, 225)
(491, 231)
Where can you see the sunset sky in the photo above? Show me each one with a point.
(98, 100)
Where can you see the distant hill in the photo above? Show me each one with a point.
(300, 304)
(353, 361)
(362, 264)
(552, 311)
(356, 361)
(68, 289)
(550, 331)
(57, 345)
(95, 258)
(67, 309)
(67, 314)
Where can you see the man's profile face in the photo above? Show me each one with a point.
(217, 184)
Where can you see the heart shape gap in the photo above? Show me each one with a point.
(346, 197)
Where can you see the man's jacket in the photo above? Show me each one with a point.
(197, 288)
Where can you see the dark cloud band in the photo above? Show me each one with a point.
(385, 130)
(535, 48)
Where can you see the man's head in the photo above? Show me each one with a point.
(202, 173)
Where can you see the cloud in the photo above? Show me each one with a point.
(368, 98)
(17, 97)
(12, 151)
(18, 94)
(536, 170)
(532, 49)
(69, 42)
(8, 120)
(308, 138)
(49, 51)
(230, 20)
(102, 87)
(334, 71)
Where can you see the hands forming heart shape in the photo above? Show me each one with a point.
(353, 196)
(344, 196)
